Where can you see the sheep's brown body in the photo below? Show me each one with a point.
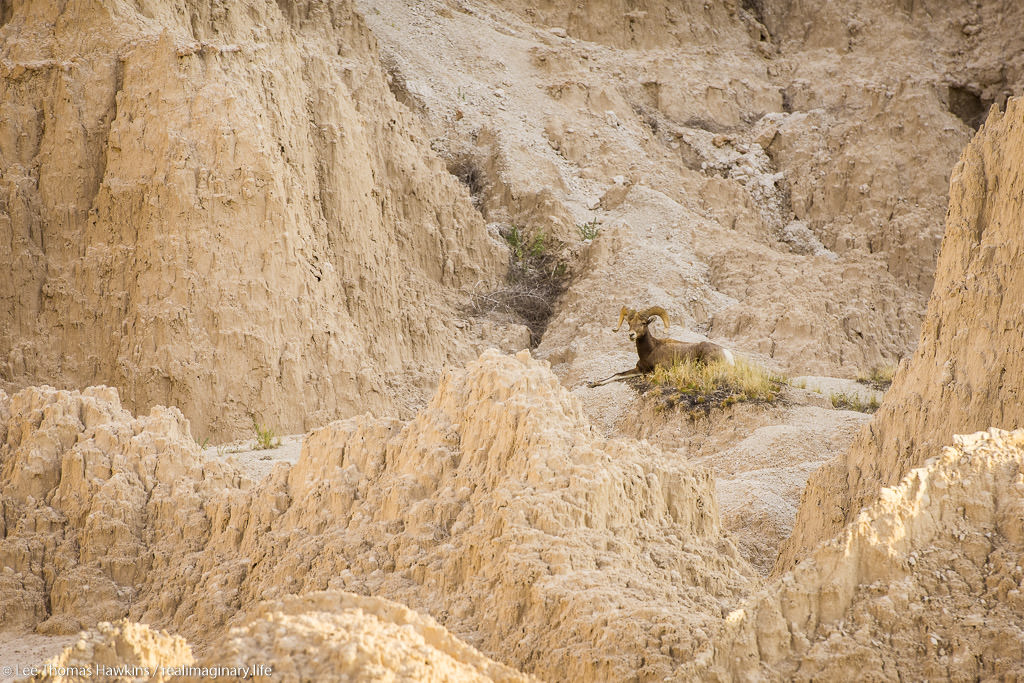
(653, 352)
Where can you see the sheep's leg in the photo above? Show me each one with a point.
(618, 376)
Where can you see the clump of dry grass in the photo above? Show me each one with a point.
(717, 384)
(880, 376)
(845, 401)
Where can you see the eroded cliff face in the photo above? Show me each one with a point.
(925, 584)
(967, 371)
(519, 529)
(498, 510)
(92, 499)
(224, 210)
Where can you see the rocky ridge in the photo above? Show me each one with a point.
(498, 510)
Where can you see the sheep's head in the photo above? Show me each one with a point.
(639, 320)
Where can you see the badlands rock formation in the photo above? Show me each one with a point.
(591, 559)
(334, 635)
(499, 510)
(253, 210)
(224, 210)
(967, 372)
(320, 636)
(258, 189)
(724, 166)
(925, 584)
(119, 651)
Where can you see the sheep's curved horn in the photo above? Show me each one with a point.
(622, 314)
(658, 311)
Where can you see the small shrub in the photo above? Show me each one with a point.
(265, 437)
(516, 243)
(467, 169)
(588, 230)
(850, 401)
(537, 245)
(535, 281)
(880, 377)
(717, 384)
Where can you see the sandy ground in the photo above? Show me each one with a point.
(258, 463)
(19, 652)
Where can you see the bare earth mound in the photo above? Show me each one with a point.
(331, 635)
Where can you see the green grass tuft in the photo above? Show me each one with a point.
(588, 230)
(265, 437)
(524, 248)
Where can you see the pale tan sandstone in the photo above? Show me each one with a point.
(760, 456)
(331, 635)
(498, 510)
(339, 636)
(925, 584)
(92, 499)
(501, 512)
(225, 210)
(116, 652)
(967, 370)
(774, 174)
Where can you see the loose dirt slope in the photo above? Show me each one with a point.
(725, 165)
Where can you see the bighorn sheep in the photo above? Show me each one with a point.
(664, 352)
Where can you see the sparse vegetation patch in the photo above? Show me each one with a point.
(266, 438)
(703, 386)
(589, 230)
(880, 377)
(851, 401)
(536, 278)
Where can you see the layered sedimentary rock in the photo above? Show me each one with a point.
(226, 210)
(967, 371)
